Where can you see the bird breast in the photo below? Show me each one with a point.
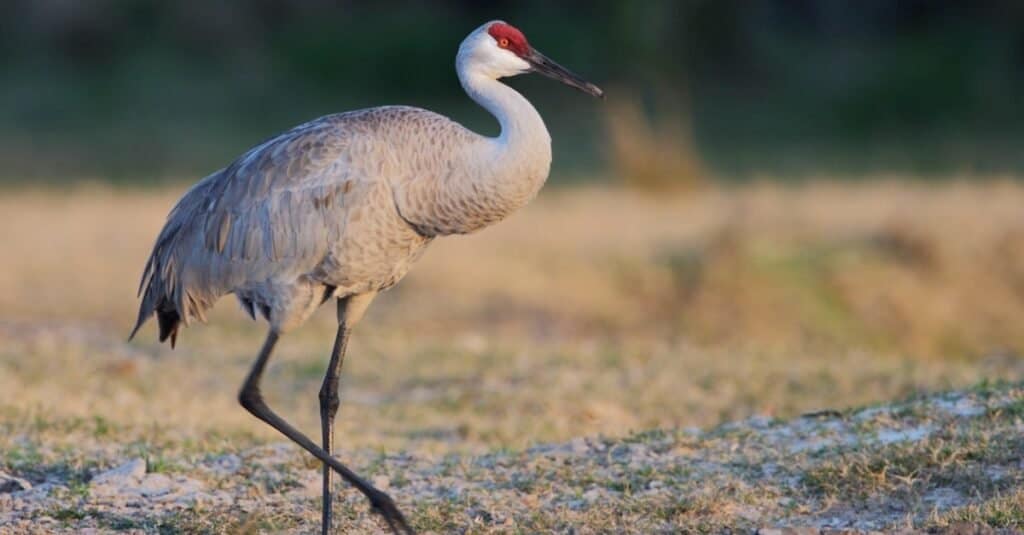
(377, 247)
(475, 190)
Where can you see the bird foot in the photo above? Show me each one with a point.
(382, 504)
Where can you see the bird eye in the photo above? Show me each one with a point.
(503, 42)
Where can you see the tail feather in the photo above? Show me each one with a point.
(167, 317)
(145, 311)
(155, 288)
(135, 330)
(165, 291)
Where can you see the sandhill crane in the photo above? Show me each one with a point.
(341, 207)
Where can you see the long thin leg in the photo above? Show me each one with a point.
(252, 399)
(329, 402)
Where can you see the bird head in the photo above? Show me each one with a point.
(498, 50)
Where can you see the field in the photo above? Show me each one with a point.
(598, 312)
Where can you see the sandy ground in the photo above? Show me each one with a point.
(941, 462)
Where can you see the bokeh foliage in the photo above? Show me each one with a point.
(139, 89)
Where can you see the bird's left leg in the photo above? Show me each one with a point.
(329, 402)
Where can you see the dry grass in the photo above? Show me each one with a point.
(947, 462)
(593, 312)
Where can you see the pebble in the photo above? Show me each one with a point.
(9, 483)
(129, 471)
(579, 446)
(129, 485)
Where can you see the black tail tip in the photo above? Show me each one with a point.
(169, 323)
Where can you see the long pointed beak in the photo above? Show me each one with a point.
(546, 66)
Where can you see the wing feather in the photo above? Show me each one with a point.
(270, 213)
(278, 210)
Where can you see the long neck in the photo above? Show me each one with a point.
(501, 174)
(522, 129)
(487, 178)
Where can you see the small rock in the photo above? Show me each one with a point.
(382, 482)
(154, 485)
(128, 472)
(9, 483)
(579, 446)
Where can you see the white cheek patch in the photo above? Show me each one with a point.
(519, 63)
(502, 62)
(509, 64)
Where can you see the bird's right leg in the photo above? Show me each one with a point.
(350, 311)
(252, 399)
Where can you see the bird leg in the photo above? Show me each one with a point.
(329, 402)
(251, 398)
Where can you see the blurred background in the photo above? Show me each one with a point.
(781, 206)
(142, 90)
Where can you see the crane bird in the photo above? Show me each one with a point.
(342, 206)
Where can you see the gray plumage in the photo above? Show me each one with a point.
(342, 207)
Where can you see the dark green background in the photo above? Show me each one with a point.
(138, 91)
